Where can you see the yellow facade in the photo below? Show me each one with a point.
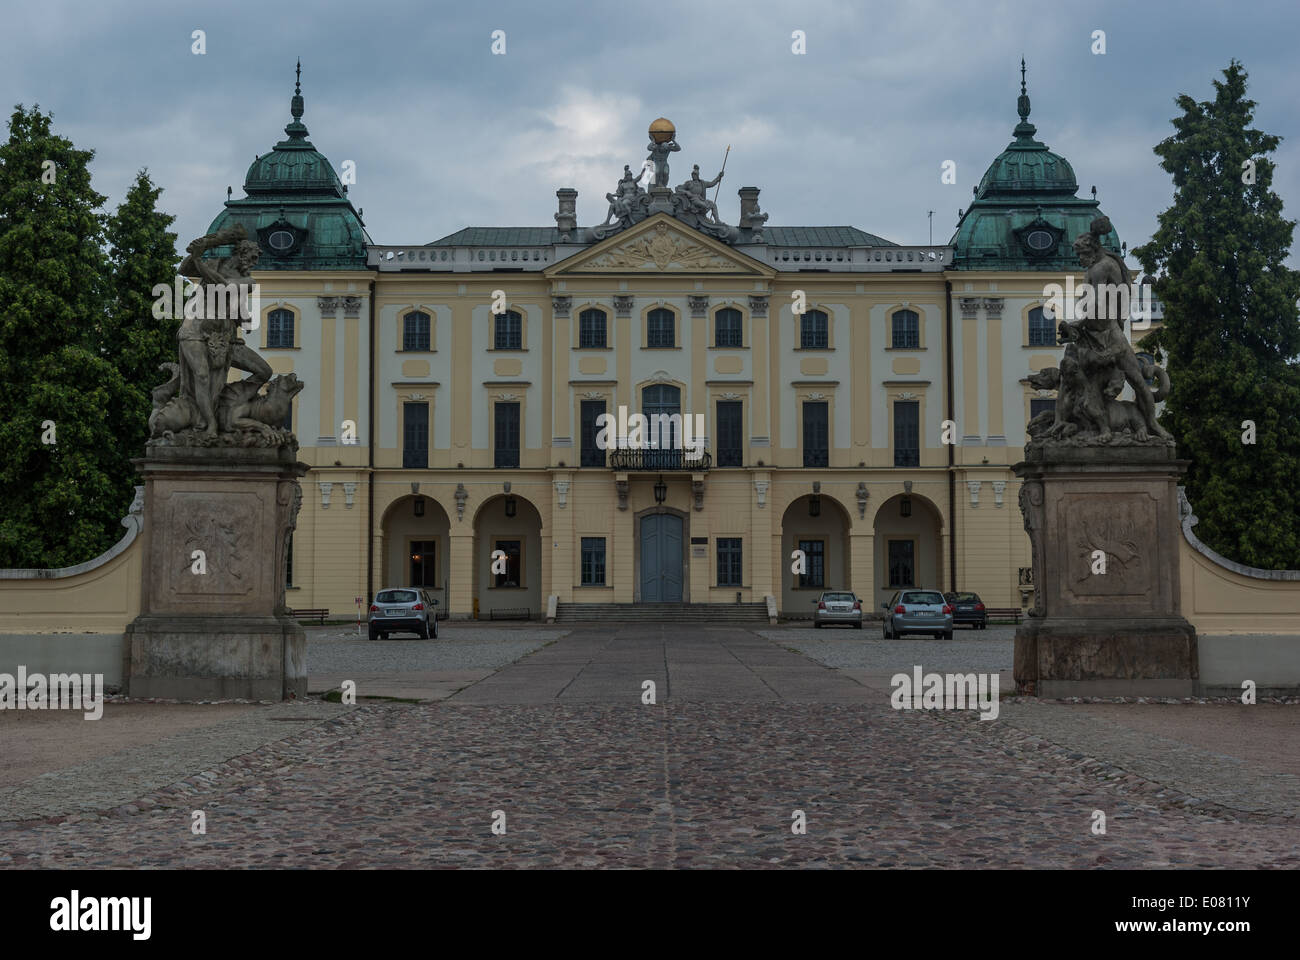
(358, 525)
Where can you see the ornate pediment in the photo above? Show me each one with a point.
(660, 245)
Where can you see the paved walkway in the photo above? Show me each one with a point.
(744, 733)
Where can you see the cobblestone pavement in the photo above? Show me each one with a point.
(589, 776)
(410, 668)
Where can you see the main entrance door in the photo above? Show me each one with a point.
(661, 558)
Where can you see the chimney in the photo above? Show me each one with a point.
(566, 221)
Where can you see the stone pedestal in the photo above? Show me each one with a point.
(1113, 633)
(214, 625)
(661, 199)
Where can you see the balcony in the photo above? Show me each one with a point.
(657, 461)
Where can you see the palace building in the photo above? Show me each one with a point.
(454, 390)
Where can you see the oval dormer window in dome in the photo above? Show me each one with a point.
(281, 241)
(1040, 241)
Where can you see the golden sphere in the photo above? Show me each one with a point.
(662, 130)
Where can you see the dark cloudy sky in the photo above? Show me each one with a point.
(444, 134)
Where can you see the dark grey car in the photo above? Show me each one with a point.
(917, 611)
(403, 610)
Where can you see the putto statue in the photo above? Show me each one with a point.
(197, 407)
(1097, 362)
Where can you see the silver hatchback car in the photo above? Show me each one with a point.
(838, 606)
(917, 611)
(406, 610)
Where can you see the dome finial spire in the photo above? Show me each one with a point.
(296, 129)
(1024, 129)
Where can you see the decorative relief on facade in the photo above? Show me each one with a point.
(562, 493)
(760, 487)
(622, 306)
(974, 487)
(328, 306)
(461, 496)
(351, 306)
(862, 494)
(326, 488)
(729, 395)
(999, 487)
(758, 306)
(697, 488)
(969, 307)
(993, 306)
(699, 305)
(620, 487)
(663, 249)
(593, 395)
(561, 306)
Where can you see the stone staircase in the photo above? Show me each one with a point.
(663, 612)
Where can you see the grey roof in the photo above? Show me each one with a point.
(823, 237)
(774, 236)
(500, 237)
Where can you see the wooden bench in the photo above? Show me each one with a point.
(1004, 613)
(310, 613)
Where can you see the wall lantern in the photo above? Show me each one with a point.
(661, 491)
(419, 506)
(512, 507)
(814, 506)
(905, 507)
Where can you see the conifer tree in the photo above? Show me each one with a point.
(1231, 334)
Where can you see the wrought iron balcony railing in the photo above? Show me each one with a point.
(658, 461)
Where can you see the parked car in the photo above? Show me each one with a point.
(917, 611)
(968, 608)
(838, 606)
(404, 610)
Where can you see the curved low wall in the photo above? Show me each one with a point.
(72, 619)
(1248, 619)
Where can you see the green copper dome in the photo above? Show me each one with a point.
(1025, 215)
(297, 208)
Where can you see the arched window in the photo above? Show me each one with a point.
(662, 401)
(660, 328)
(279, 329)
(591, 329)
(1042, 332)
(509, 331)
(814, 330)
(727, 328)
(415, 331)
(906, 330)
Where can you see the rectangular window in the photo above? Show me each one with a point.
(1042, 331)
(592, 455)
(509, 331)
(729, 562)
(593, 561)
(730, 446)
(1039, 405)
(424, 553)
(906, 330)
(727, 328)
(513, 549)
(591, 330)
(814, 552)
(907, 433)
(816, 438)
(279, 330)
(660, 329)
(814, 330)
(415, 331)
(415, 435)
(902, 563)
(506, 435)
